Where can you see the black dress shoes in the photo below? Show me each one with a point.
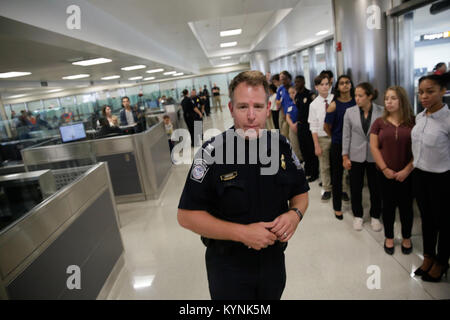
(389, 251)
(407, 250)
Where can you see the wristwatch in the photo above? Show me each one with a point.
(300, 215)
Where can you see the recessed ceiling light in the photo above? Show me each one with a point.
(149, 78)
(141, 66)
(54, 90)
(154, 70)
(16, 96)
(178, 74)
(228, 33)
(225, 58)
(76, 76)
(228, 44)
(91, 62)
(170, 72)
(321, 33)
(135, 78)
(13, 74)
(111, 77)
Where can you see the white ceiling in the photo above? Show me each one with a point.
(192, 26)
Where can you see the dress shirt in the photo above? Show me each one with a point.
(317, 114)
(431, 141)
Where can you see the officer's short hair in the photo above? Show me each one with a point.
(251, 78)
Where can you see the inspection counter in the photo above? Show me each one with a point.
(139, 164)
(64, 242)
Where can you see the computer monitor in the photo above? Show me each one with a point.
(72, 132)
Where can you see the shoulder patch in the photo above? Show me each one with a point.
(199, 170)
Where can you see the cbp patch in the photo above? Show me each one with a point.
(199, 170)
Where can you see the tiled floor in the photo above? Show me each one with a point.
(326, 259)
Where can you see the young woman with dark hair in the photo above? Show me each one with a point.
(431, 150)
(390, 143)
(334, 122)
(356, 155)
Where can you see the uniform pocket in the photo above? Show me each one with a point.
(233, 197)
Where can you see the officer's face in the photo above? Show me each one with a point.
(249, 108)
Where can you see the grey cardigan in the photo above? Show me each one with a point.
(355, 143)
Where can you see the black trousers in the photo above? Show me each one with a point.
(397, 194)
(190, 124)
(356, 174)
(238, 273)
(306, 144)
(275, 115)
(431, 192)
(337, 171)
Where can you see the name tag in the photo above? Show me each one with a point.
(228, 176)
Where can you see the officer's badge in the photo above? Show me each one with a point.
(199, 170)
(228, 176)
(283, 163)
(305, 99)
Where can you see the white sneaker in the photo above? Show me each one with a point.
(357, 224)
(376, 224)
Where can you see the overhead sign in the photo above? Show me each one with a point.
(435, 36)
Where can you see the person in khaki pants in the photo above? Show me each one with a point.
(322, 142)
(216, 98)
(284, 101)
(292, 121)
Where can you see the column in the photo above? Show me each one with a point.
(259, 60)
(360, 26)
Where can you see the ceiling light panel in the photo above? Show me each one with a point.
(178, 74)
(91, 62)
(228, 33)
(111, 77)
(149, 78)
(76, 76)
(13, 74)
(225, 58)
(228, 44)
(170, 72)
(154, 70)
(135, 78)
(141, 66)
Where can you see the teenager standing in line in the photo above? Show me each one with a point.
(334, 122)
(390, 143)
(431, 149)
(356, 155)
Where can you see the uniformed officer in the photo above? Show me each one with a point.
(190, 114)
(303, 99)
(245, 217)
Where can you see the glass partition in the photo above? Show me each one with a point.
(47, 115)
(181, 85)
(151, 95)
